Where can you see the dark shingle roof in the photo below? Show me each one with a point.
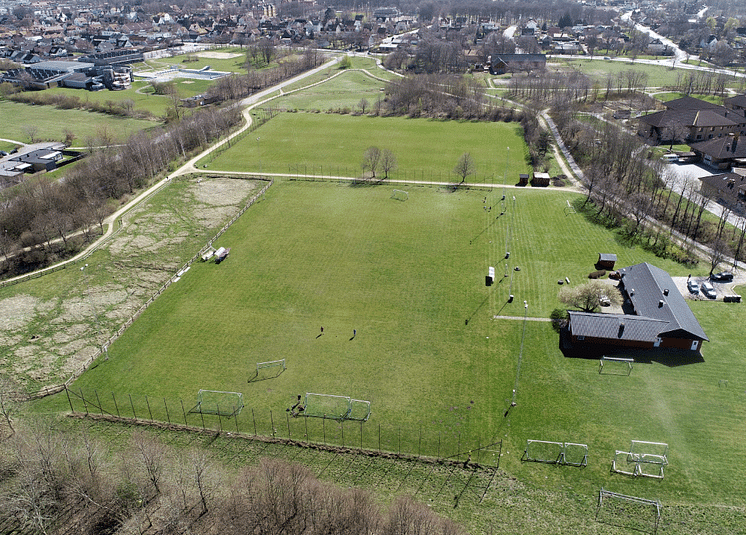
(616, 326)
(739, 101)
(647, 286)
(689, 103)
(722, 148)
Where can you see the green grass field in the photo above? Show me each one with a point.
(425, 149)
(406, 275)
(51, 123)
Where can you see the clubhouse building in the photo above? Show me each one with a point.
(656, 315)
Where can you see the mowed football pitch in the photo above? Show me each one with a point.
(406, 276)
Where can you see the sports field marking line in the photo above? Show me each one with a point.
(521, 318)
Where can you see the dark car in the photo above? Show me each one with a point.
(723, 276)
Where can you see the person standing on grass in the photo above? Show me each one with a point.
(354, 333)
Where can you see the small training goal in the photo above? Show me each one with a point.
(645, 459)
(335, 407)
(400, 195)
(219, 403)
(615, 365)
(628, 512)
(564, 453)
(569, 209)
(269, 369)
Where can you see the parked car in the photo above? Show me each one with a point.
(693, 287)
(723, 276)
(709, 290)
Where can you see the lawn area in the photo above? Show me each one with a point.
(425, 149)
(657, 76)
(51, 123)
(344, 91)
(406, 276)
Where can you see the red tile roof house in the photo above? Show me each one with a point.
(657, 316)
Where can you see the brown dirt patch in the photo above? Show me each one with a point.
(16, 311)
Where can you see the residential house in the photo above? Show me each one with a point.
(721, 152)
(728, 189)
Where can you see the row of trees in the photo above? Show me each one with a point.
(235, 87)
(58, 482)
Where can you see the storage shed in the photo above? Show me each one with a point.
(606, 261)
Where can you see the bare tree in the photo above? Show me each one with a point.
(587, 297)
(371, 160)
(31, 131)
(465, 166)
(363, 105)
(388, 162)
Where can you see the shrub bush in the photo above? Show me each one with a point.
(597, 274)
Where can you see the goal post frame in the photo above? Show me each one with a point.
(604, 359)
(400, 195)
(236, 407)
(350, 409)
(566, 453)
(606, 495)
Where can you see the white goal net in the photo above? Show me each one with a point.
(400, 195)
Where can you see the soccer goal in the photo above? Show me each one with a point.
(569, 209)
(335, 407)
(565, 453)
(645, 459)
(615, 365)
(400, 195)
(219, 403)
(269, 369)
(629, 512)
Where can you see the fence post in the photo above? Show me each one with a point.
(134, 414)
(183, 412)
(287, 417)
(84, 402)
(235, 417)
(100, 407)
(272, 422)
(323, 427)
(306, 421)
(202, 416)
(220, 419)
(168, 416)
(254, 419)
(69, 400)
(115, 404)
(147, 402)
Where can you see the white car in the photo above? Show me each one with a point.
(708, 290)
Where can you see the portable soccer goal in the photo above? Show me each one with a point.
(400, 195)
(569, 209)
(564, 453)
(615, 365)
(219, 403)
(269, 369)
(645, 459)
(629, 512)
(335, 407)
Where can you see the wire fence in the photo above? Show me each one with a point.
(457, 444)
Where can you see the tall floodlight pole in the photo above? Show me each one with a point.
(520, 354)
(259, 153)
(505, 174)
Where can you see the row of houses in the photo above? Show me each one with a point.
(32, 159)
